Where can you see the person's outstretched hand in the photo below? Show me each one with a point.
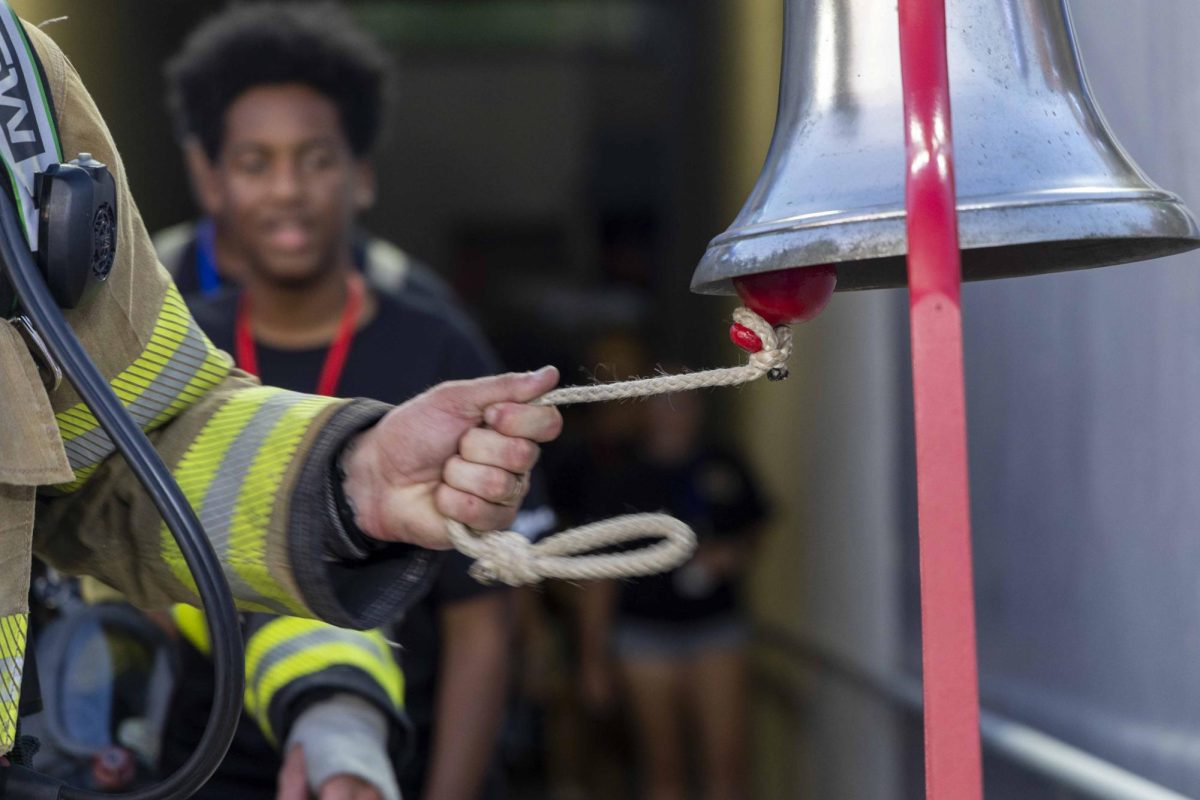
(462, 450)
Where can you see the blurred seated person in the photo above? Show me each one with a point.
(279, 107)
(678, 640)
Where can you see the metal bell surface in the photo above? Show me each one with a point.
(1042, 183)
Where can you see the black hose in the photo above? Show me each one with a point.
(223, 626)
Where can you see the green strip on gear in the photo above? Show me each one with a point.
(20, 208)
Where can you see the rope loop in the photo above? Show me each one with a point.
(508, 557)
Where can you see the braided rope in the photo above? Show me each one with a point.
(508, 557)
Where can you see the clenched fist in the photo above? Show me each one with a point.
(461, 450)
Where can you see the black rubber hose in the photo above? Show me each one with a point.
(223, 625)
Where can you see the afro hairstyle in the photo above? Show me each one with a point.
(250, 45)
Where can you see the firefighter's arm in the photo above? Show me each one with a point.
(294, 664)
(330, 699)
(256, 463)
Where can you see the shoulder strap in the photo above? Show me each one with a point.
(28, 136)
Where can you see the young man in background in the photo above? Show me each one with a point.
(278, 107)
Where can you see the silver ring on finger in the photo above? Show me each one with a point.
(518, 492)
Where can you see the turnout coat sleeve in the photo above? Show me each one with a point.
(292, 662)
(255, 462)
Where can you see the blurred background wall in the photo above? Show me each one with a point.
(1086, 447)
(564, 164)
(1083, 439)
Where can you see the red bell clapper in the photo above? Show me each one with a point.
(782, 297)
(788, 296)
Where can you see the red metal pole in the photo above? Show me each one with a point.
(952, 756)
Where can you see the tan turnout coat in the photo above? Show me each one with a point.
(253, 461)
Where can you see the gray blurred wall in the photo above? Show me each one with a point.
(1084, 396)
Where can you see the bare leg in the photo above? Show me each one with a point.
(654, 693)
(717, 703)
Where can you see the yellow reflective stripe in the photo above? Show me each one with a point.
(323, 656)
(81, 477)
(275, 632)
(252, 517)
(75, 421)
(288, 648)
(232, 474)
(284, 630)
(311, 661)
(203, 458)
(169, 331)
(13, 630)
(192, 625)
(178, 365)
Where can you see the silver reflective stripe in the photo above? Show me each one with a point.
(28, 140)
(10, 679)
(221, 500)
(181, 368)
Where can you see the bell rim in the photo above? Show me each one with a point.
(1134, 226)
(1050, 197)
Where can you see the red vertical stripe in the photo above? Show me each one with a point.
(952, 756)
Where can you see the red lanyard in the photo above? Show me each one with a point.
(339, 349)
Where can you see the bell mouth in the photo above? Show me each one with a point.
(998, 241)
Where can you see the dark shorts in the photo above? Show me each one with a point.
(639, 639)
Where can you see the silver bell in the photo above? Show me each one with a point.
(1042, 183)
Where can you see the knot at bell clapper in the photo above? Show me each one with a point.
(1042, 183)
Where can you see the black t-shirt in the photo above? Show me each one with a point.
(411, 344)
(714, 493)
(405, 349)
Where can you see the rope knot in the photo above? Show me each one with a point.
(505, 557)
(776, 343)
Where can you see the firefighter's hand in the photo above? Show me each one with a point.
(461, 450)
(293, 783)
